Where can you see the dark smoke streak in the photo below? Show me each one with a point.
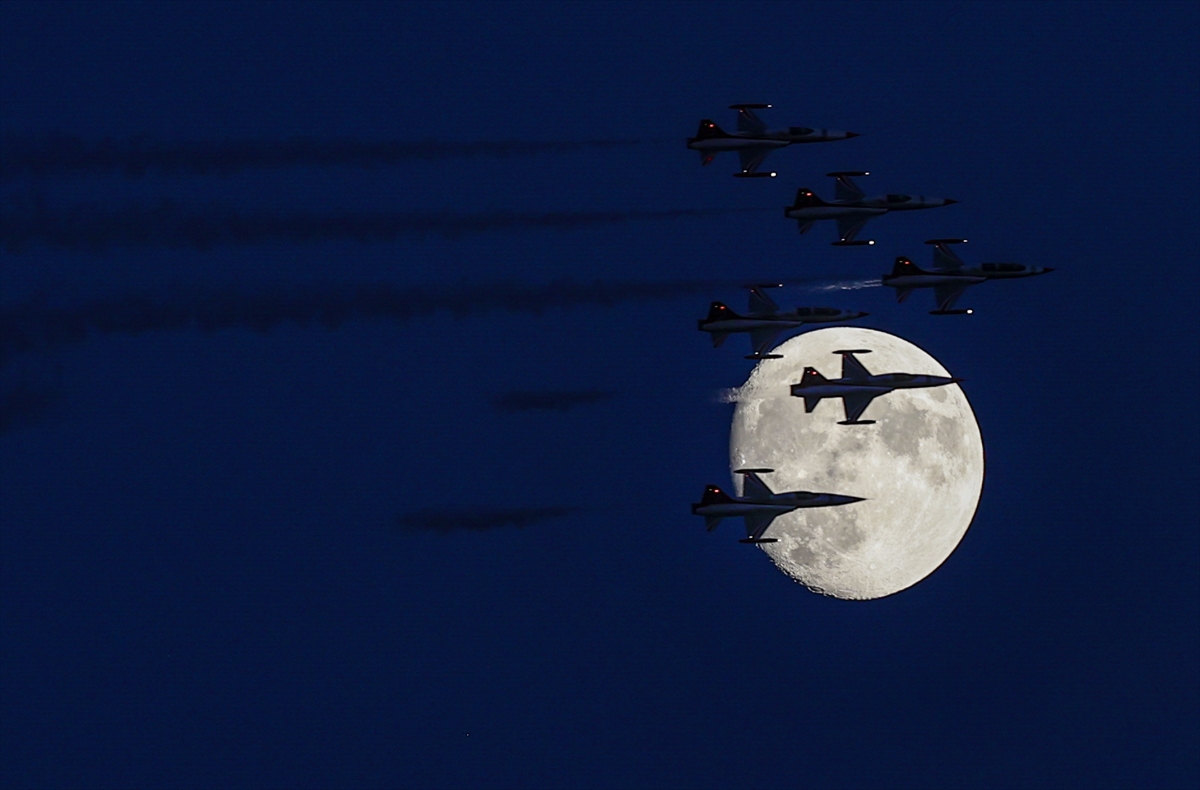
(95, 229)
(61, 155)
(479, 520)
(24, 404)
(511, 402)
(37, 325)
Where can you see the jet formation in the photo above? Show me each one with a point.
(764, 321)
(758, 506)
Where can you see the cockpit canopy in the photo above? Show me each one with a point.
(1003, 267)
(898, 198)
(799, 130)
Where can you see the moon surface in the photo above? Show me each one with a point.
(920, 466)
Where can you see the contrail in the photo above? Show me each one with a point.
(479, 520)
(37, 324)
(94, 228)
(65, 155)
(561, 400)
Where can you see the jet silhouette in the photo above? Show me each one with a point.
(764, 321)
(857, 387)
(753, 140)
(759, 506)
(950, 276)
(852, 208)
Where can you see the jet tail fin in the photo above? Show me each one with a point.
(812, 377)
(904, 266)
(715, 496)
(709, 130)
(805, 198)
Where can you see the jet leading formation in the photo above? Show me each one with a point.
(764, 321)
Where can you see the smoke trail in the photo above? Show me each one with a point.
(64, 155)
(479, 520)
(39, 325)
(95, 228)
(25, 403)
(548, 401)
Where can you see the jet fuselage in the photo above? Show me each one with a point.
(816, 208)
(872, 385)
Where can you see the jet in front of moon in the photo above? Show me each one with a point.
(764, 321)
(852, 208)
(950, 276)
(759, 506)
(858, 387)
(753, 140)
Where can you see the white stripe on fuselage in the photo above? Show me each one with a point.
(926, 280)
(734, 143)
(833, 211)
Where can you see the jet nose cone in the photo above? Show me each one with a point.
(861, 314)
(948, 201)
(1047, 269)
(956, 380)
(852, 134)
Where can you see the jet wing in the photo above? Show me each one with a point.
(944, 259)
(853, 369)
(845, 189)
(855, 405)
(752, 157)
(748, 121)
(753, 487)
(947, 295)
(848, 227)
(760, 302)
(763, 338)
(757, 524)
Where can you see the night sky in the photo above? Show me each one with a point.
(330, 461)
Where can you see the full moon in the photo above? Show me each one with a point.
(920, 466)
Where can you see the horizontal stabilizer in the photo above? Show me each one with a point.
(749, 106)
(764, 356)
(759, 540)
(861, 243)
(749, 471)
(951, 312)
(851, 173)
(754, 175)
(946, 241)
(854, 351)
(856, 422)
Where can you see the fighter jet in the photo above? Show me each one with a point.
(857, 387)
(765, 321)
(753, 140)
(759, 506)
(851, 208)
(950, 277)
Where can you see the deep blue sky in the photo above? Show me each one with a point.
(202, 581)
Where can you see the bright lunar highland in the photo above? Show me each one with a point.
(920, 466)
